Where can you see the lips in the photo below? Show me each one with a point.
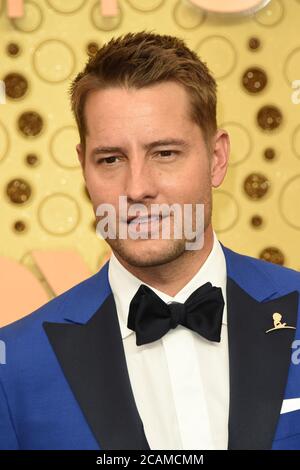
(143, 219)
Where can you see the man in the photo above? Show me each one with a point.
(165, 347)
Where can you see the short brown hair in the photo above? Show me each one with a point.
(140, 59)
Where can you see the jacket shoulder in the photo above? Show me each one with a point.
(283, 277)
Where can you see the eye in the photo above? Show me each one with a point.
(167, 153)
(107, 160)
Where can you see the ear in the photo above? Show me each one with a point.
(80, 155)
(220, 157)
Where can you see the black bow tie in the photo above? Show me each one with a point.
(151, 318)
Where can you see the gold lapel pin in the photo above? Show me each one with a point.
(278, 325)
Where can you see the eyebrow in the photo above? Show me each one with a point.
(162, 142)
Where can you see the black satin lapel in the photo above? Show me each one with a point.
(259, 364)
(93, 360)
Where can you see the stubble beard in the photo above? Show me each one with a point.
(156, 252)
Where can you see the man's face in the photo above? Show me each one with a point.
(163, 173)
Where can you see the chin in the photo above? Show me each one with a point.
(146, 253)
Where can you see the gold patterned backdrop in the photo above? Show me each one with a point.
(254, 58)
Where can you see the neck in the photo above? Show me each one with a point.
(171, 277)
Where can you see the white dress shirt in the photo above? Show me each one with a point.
(180, 382)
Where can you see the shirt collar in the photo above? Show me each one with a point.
(124, 284)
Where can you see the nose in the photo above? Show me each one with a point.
(140, 182)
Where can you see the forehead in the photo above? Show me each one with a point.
(164, 103)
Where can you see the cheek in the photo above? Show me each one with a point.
(98, 193)
(194, 180)
(102, 193)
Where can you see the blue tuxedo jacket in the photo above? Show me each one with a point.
(65, 384)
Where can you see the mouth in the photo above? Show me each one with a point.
(134, 220)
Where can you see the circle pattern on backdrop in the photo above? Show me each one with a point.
(187, 16)
(270, 15)
(31, 20)
(16, 85)
(256, 185)
(220, 53)
(66, 6)
(290, 211)
(254, 79)
(30, 123)
(59, 214)
(4, 141)
(62, 147)
(291, 68)
(18, 191)
(109, 23)
(53, 61)
(226, 218)
(241, 143)
(145, 5)
(273, 255)
(269, 118)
